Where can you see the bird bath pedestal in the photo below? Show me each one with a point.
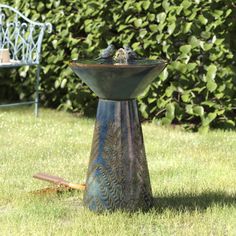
(117, 176)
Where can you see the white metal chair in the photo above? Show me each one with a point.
(23, 38)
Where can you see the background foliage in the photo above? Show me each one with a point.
(196, 37)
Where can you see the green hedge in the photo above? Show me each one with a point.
(198, 88)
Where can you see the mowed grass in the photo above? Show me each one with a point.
(193, 179)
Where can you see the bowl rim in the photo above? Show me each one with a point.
(78, 63)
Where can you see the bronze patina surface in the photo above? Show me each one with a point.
(117, 176)
(117, 82)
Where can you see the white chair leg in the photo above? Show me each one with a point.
(36, 110)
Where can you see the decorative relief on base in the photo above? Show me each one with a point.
(118, 175)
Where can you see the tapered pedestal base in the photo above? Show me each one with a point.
(118, 176)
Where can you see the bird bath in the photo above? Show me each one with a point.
(117, 176)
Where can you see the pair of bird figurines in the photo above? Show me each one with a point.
(121, 56)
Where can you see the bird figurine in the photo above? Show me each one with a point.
(120, 57)
(131, 54)
(107, 53)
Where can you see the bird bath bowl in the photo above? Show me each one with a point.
(117, 176)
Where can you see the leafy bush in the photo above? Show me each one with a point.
(198, 86)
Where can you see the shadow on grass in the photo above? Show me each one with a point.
(191, 202)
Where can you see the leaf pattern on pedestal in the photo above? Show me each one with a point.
(118, 173)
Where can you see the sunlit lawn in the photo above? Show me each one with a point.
(193, 178)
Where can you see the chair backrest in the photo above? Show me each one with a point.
(21, 36)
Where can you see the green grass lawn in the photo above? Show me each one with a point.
(193, 179)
